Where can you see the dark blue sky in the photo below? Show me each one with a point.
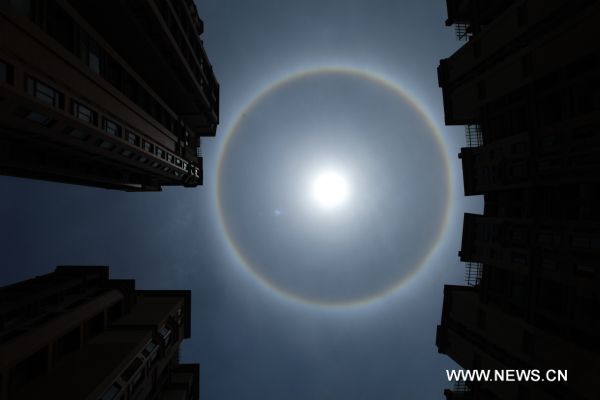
(253, 343)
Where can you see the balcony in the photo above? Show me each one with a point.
(473, 272)
(474, 135)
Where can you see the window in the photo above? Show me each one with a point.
(114, 312)
(6, 72)
(133, 138)
(95, 325)
(45, 93)
(136, 381)
(519, 258)
(151, 350)
(481, 319)
(165, 333)
(29, 369)
(149, 147)
(160, 152)
(60, 25)
(111, 127)
(178, 162)
(69, 343)
(112, 392)
(170, 158)
(481, 92)
(94, 56)
(132, 369)
(84, 113)
(585, 269)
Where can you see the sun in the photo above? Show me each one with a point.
(330, 190)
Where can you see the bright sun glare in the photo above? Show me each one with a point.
(330, 190)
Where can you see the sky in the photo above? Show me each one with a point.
(291, 300)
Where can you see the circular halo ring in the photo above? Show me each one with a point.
(268, 90)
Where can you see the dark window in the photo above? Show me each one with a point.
(113, 73)
(94, 56)
(149, 147)
(111, 127)
(151, 351)
(526, 65)
(45, 93)
(165, 332)
(522, 15)
(133, 138)
(481, 92)
(481, 319)
(477, 48)
(69, 343)
(112, 392)
(89, 51)
(132, 369)
(170, 158)
(31, 368)
(84, 113)
(178, 162)
(31, 9)
(585, 269)
(160, 152)
(136, 381)
(115, 312)
(95, 325)
(60, 25)
(6, 72)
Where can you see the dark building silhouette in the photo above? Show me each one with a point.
(527, 86)
(114, 93)
(75, 334)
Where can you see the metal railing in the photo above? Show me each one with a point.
(473, 273)
(462, 31)
(474, 136)
(198, 147)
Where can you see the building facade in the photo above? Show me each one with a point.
(112, 94)
(526, 84)
(75, 334)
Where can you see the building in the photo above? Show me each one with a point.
(114, 94)
(526, 84)
(75, 334)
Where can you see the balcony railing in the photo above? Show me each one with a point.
(473, 273)
(474, 135)
(462, 31)
(199, 147)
